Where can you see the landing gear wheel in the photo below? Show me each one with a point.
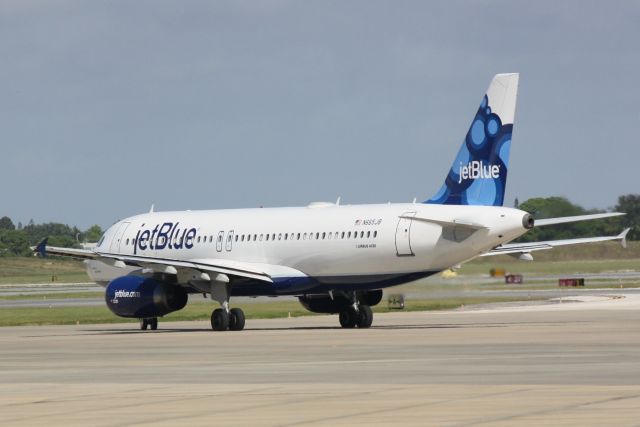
(143, 324)
(219, 320)
(365, 316)
(153, 323)
(348, 318)
(236, 319)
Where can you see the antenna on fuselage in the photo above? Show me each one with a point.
(338, 201)
(152, 206)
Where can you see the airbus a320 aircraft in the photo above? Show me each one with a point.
(334, 258)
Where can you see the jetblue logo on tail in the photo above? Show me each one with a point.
(476, 169)
(478, 175)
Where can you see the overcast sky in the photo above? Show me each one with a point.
(109, 106)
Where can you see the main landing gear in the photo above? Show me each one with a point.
(151, 323)
(224, 318)
(232, 320)
(356, 315)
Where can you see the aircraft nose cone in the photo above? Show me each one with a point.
(528, 221)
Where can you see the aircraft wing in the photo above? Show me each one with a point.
(209, 266)
(528, 247)
(44, 250)
(249, 270)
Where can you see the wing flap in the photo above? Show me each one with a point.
(256, 271)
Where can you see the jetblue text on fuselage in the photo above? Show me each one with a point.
(168, 235)
(476, 169)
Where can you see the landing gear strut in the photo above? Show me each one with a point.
(223, 319)
(151, 323)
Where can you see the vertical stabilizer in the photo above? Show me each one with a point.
(478, 175)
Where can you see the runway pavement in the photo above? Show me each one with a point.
(567, 363)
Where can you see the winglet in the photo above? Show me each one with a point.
(41, 248)
(623, 237)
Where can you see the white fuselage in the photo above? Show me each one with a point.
(359, 246)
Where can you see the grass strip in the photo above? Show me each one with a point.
(53, 315)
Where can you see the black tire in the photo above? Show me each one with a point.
(236, 319)
(143, 324)
(365, 316)
(153, 323)
(348, 318)
(219, 320)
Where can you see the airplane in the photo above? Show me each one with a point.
(335, 258)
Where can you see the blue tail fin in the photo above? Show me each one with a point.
(478, 175)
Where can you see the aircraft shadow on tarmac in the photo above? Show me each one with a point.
(297, 328)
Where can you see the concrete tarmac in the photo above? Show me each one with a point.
(572, 363)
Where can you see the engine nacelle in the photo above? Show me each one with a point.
(143, 297)
(323, 303)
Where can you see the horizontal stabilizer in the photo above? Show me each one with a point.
(449, 223)
(524, 248)
(566, 219)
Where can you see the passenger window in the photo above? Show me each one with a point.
(317, 235)
(273, 236)
(261, 237)
(329, 236)
(323, 235)
(280, 236)
(362, 234)
(375, 234)
(349, 235)
(304, 237)
(286, 235)
(368, 234)
(236, 237)
(298, 236)
(267, 237)
(198, 239)
(127, 241)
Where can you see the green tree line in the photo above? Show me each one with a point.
(552, 207)
(15, 240)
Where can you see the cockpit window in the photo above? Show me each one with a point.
(101, 240)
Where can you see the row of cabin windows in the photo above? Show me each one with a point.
(296, 236)
(286, 236)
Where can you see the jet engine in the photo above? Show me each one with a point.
(143, 297)
(323, 303)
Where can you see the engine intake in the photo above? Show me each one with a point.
(143, 297)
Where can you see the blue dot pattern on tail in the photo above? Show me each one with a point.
(478, 175)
